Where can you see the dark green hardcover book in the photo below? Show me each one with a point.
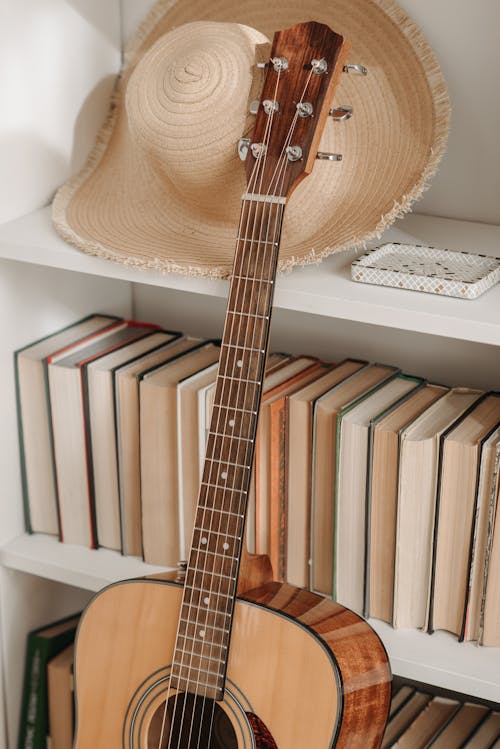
(42, 645)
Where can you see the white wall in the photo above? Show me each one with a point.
(57, 63)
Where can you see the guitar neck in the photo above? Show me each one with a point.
(212, 572)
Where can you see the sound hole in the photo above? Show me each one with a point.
(191, 723)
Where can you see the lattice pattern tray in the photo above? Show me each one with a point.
(445, 272)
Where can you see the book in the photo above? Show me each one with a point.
(100, 398)
(127, 379)
(382, 493)
(61, 699)
(351, 496)
(325, 467)
(277, 465)
(416, 504)
(71, 428)
(489, 627)
(272, 386)
(456, 505)
(460, 727)
(299, 416)
(403, 717)
(428, 723)
(486, 735)
(42, 644)
(488, 476)
(34, 421)
(399, 698)
(188, 451)
(159, 452)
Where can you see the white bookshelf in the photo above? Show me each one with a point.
(45, 284)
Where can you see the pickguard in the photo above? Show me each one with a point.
(263, 739)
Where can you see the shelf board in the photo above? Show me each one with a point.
(433, 659)
(441, 660)
(43, 555)
(321, 289)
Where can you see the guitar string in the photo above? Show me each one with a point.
(181, 665)
(273, 252)
(258, 241)
(176, 649)
(272, 259)
(240, 290)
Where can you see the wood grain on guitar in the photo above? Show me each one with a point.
(198, 665)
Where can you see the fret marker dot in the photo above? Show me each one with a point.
(206, 601)
(202, 633)
(231, 422)
(203, 540)
(223, 475)
(225, 546)
(239, 363)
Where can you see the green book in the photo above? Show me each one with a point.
(42, 645)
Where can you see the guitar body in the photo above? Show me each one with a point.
(303, 672)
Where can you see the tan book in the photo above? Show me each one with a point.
(417, 486)
(102, 427)
(272, 386)
(127, 381)
(461, 451)
(188, 471)
(71, 428)
(382, 498)
(34, 421)
(399, 698)
(488, 477)
(61, 699)
(278, 510)
(159, 453)
(353, 465)
(428, 724)
(299, 416)
(486, 735)
(490, 604)
(324, 467)
(462, 724)
(403, 718)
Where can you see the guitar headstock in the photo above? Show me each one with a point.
(301, 76)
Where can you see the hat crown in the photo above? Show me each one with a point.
(177, 101)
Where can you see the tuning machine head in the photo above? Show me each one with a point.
(341, 113)
(352, 67)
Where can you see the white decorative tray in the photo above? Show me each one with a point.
(445, 272)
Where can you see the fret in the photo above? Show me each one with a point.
(247, 314)
(210, 573)
(194, 589)
(204, 625)
(215, 553)
(243, 348)
(199, 670)
(239, 379)
(234, 408)
(259, 241)
(224, 463)
(198, 631)
(203, 657)
(217, 533)
(218, 486)
(229, 434)
(202, 643)
(253, 279)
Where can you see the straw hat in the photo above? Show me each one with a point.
(162, 187)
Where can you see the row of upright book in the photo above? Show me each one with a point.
(369, 485)
(419, 720)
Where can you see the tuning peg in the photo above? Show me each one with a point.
(262, 64)
(339, 114)
(243, 146)
(351, 67)
(324, 156)
(254, 106)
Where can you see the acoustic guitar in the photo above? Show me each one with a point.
(222, 660)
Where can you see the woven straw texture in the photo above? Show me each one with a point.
(162, 186)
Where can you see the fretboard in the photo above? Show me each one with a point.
(202, 644)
